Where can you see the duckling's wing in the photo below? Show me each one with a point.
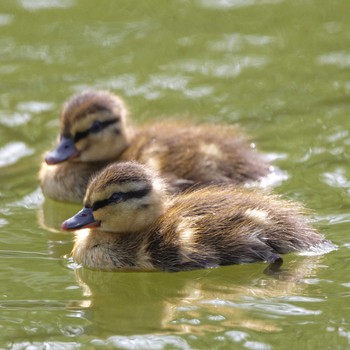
(177, 185)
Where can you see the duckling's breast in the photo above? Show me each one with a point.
(67, 181)
(97, 249)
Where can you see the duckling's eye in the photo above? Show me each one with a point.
(96, 126)
(116, 197)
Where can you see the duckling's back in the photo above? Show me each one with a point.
(201, 154)
(223, 226)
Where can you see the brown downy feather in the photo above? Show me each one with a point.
(203, 154)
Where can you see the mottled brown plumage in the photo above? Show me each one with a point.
(186, 154)
(208, 227)
(203, 154)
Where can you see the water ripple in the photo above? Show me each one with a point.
(236, 336)
(151, 342)
(5, 19)
(241, 337)
(37, 304)
(3, 222)
(12, 152)
(124, 82)
(219, 69)
(229, 4)
(35, 106)
(255, 345)
(14, 119)
(235, 41)
(300, 298)
(48, 345)
(33, 200)
(198, 92)
(333, 219)
(154, 87)
(283, 309)
(102, 35)
(336, 178)
(168, 82)
(34, 5)
(339, 135)
(280, 309)
(339, 59)
(15, 254)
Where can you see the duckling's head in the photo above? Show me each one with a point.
(93, 128)
(124, 197)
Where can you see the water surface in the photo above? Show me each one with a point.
(278, 68)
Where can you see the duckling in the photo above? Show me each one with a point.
(95, 131)
(133, 223)
(87, 120)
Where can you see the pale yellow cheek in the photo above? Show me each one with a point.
(102, 146)
(124, 217)
(82, 145)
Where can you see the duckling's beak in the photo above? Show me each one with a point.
(64, 150)
(84, 218)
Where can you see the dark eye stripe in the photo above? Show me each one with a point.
(123, 197)
(81, 134)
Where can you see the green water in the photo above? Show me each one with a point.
(281, 69)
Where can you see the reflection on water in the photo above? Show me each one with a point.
(230, 305)
(51, 214)
(198, 302)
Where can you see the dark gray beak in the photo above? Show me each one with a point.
(64, 150)
(84, 218)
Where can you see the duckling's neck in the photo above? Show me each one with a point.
(129, 136)
(130, 151)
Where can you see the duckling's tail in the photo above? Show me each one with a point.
(323, 247)
(308, 242)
